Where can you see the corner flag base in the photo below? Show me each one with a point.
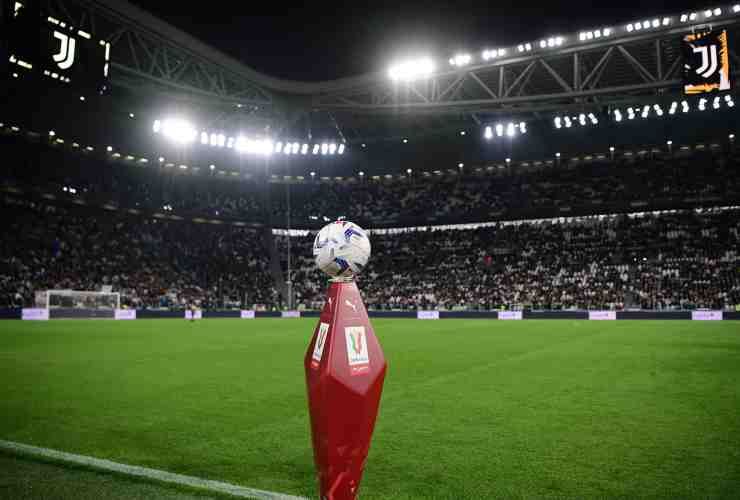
(345, 369)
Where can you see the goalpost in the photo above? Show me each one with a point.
(79, 304)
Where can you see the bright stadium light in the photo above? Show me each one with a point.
(611, 149)
(52, 133)
(488, 133)
(340, 149)
(405, 141)
(316, 148)
(304, 149)
(508, 160)
(558, 122)
(332, 148)
(362, 174)
(109, 148)
(408, 171)
(630, 28)
(296, 148)
(510, 130)
(212, 167)
(582, 119)
(157, 126)
(460, 165)
(461, 60)
(685, 106)
(324, 148)
(715, 103)
(178, 130)
(656, 23)
(618, 115)
(204, 138)
(407, 71)
(161, 159)
(702, 104)
(557, 155)
(708, 13)
(568, 122)
(278, 147)
(736, 8)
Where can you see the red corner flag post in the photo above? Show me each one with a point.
(345, 368)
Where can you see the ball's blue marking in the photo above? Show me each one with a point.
(343, 264)
(349, 232)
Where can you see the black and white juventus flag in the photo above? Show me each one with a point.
(706, 62)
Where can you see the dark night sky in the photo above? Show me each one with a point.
(326, 40)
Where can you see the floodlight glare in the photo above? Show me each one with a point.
(340, 150)
(461, 60)
(304, 149)
(736, 8)
(410, 70)
(157, 126)
(212, 167)
(408, 171)
(510, 131)
(499, 130)
(558, 123)
(332, 148)
(178, 130)
(278, 147)
(324, 148)
(488, 133)
(316, 148)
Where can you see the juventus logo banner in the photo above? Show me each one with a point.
(706, 62)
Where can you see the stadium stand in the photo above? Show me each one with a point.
(678, 259)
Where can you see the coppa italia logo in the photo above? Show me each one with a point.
(357, 355)
(318, 348)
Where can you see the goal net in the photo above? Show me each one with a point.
(79, 304)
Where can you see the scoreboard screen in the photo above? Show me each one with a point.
(706, 62)
(40, 46)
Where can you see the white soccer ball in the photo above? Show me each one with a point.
(341, 249)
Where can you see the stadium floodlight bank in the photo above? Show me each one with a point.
(79, 304)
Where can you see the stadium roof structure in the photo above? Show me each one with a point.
(586, 70)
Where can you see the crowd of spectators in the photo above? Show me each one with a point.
(474, 194)
(152, 263)
(668, 261)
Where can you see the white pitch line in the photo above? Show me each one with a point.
(133, 470)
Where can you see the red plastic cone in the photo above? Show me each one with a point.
(345, 369)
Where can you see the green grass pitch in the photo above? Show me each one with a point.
(471, 409)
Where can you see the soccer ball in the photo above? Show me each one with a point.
(341, 249)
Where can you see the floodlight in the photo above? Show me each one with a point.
(702, 104)
(670, 143)
(656, 23)
(230, 143)
(528, 46)
(582, 119)
(313, 174)
(157, 126)
(460, 60)
(715, 103)
(731, 136)
(407, 71)
(278, 147)
(618, 115)
(304, 149)
(296, 148)
(611, 149)
(646, 24)
(488, 133)
(607, 31)
(510, 130)
(324, 148)
(520, 48)
(558, 123)
(557, 155)
(405, 141)
(204, 138)
(499, 130)
(408, 171)
(362, 174)
(82, 98)
(693, 16)
(460, 165)
(340, 149)
(221, 140)
(332, 148)
(597, 34)
(568, 123)
(582, 37)
(523, 127)
(502, 52)
(316, 148)
(131, 115)
(630, 28)
(708, 13)
(109, 148)
(161, 159)
(666, 21)
(717, 11)
(543, 43)
(178, 130)
(736, 8)
(508, 160)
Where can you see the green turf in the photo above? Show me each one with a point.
(471, 409)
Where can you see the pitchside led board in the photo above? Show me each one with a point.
(706, 62)
(39, 46)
